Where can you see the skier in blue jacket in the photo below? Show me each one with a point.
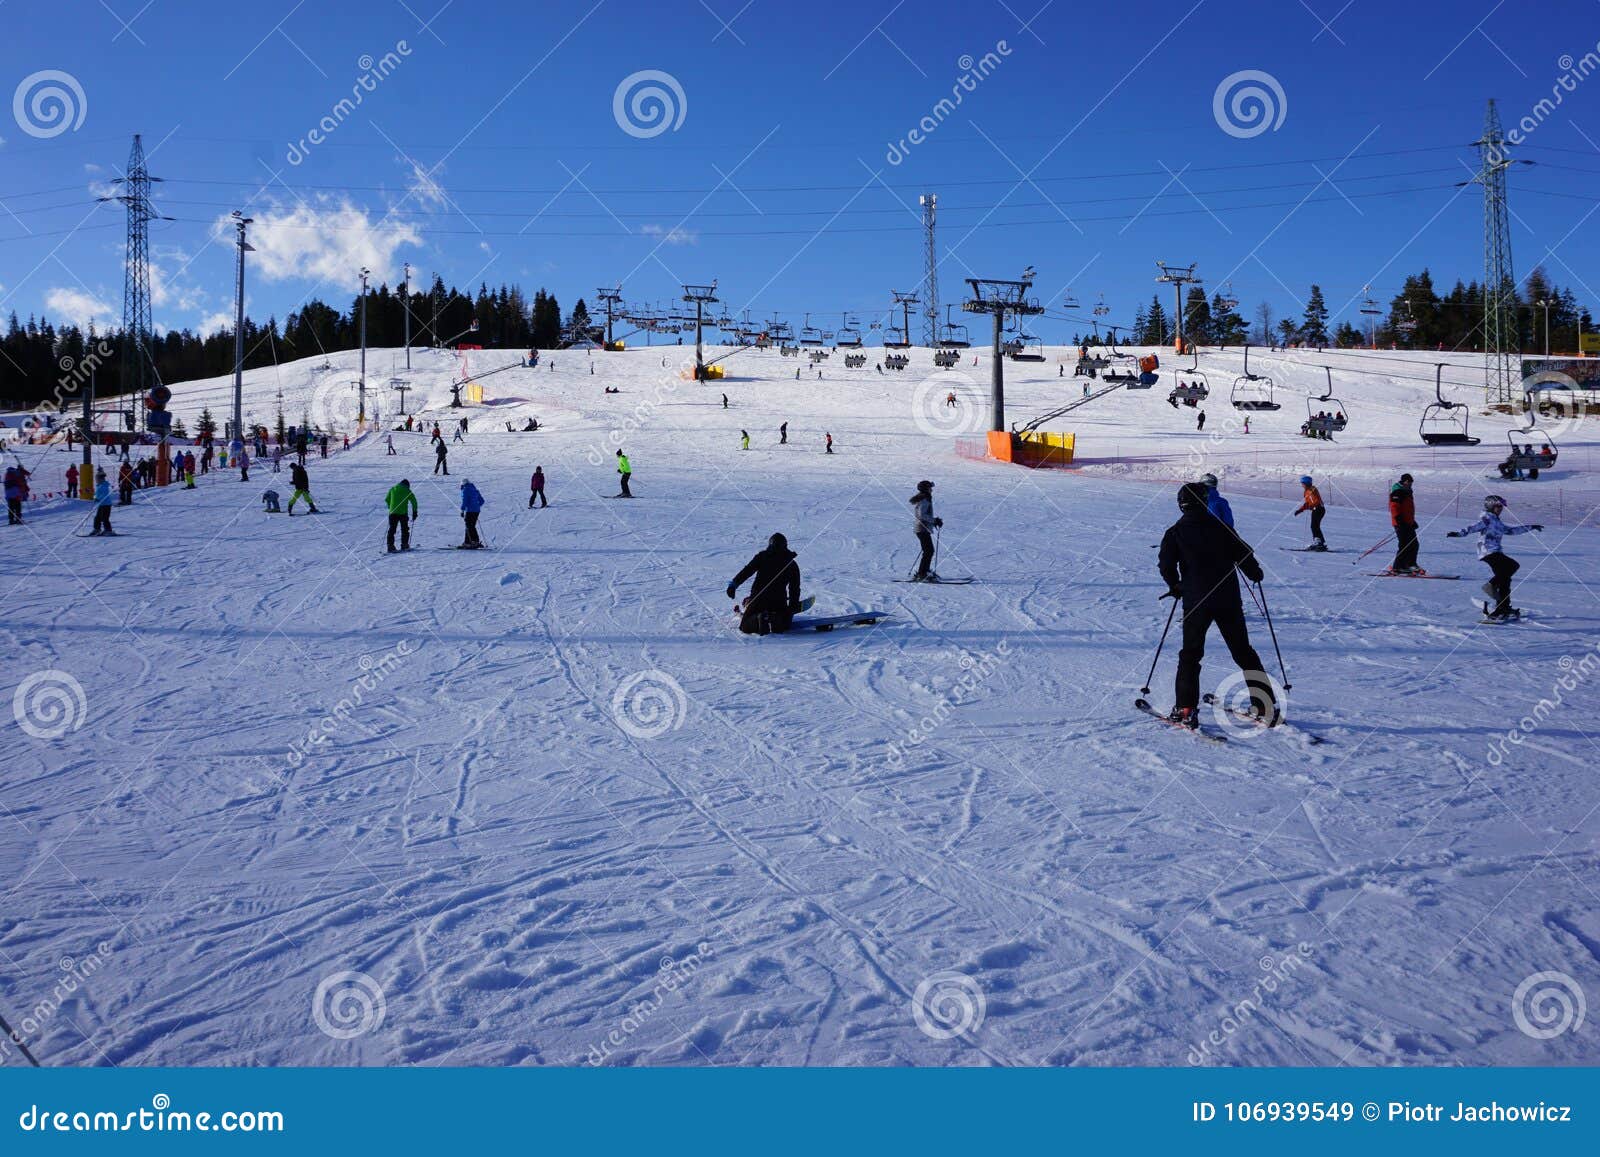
(102, 503)
(471, 504)
(1215, 503)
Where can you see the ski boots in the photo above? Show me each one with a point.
(1185, 717)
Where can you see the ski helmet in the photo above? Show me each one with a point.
(1493, 502)
(1305, 480)
(1406, 479)
(924, 485)
(1192, 496)
(777, 542)
(1209, 479)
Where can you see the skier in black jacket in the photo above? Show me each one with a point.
(1199, 557)
(775, 595)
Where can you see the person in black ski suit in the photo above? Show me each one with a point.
(1199, 558)
(775, 595)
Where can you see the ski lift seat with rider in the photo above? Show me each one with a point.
(1325, 422)
(1525, 461)
(1252, 391)
(1440, 425)
(1197, 389)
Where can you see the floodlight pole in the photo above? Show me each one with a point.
(240, 221)
(361, 385)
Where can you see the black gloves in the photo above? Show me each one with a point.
(733, 591)
(938, 522)
(1172, 593)
(1452, 534)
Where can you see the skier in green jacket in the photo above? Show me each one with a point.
(626, 472)
(399, 500)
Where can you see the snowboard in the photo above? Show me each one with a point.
(1197, 732)
(860, 618)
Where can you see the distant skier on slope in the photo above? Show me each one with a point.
(923, 523)
(1198, 560)
(441, 455)
(400, 501)
(536, 488)
(102, 503)
(744, 439)
(775, 595)
(1491, 531)
(1403, 517)
(471, 505)
(1313, 502)
(1215, 503)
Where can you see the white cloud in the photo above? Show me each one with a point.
(79, 307)
(672, 236)
(424, 188)
(215, 323)
(324, 241)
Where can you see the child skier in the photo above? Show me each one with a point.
(102, 503)
(1313, 503)
(1490, 531)
(1200, 562)
(536, 488)
(471, 505)
(1215, 503)
(744, 439)
(269, 500)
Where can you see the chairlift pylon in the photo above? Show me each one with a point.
(1252, 391)
(1439, 425)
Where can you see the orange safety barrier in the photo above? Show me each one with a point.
(1032, 449)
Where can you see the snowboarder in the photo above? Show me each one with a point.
(1312, 501)
(775, 595)
(440, 455)
(399, 500)
(1199, 561)
(1215, 503)
(783, 434)
(270, 500)
(102, 503)
(924, 524)
(625, 471)
(1491, 531)
(471, 505)
(301, 483)
(1403, 517)
(744, 439)
(536, 488)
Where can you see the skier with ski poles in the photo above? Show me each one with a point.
(1312, 502)
(1403, 517)
(923, 523)
(624, 472)
(1491, 531)
(102, 503)
(775, 595)
(471, 505)
(1200, 562)
(300, 481)
(400, 500)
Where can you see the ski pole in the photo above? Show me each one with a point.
(1145, 690)
(1375, 546)
(17, 1040)
(1268, 614)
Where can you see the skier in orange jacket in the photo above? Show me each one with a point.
(1313, 502)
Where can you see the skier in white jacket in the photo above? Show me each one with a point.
(924, 523)
(1491, 533)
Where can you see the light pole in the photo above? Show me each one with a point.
(406, 301)
(1544, 303)
(239, 221)
(361, 386)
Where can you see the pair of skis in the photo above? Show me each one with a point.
(1243, 716)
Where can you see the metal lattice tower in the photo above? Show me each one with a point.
(1500, 342)
(930, 279)
(138, 361)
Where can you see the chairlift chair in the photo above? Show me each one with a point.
(1252, 391)
(1537, 451)
(894, 338)
(1196, 389)
(809, 334)
(1229, 299)
(1070, 301)
(1029, 348)
(849, 335)
(1326, 422)
(1440, 425)
(951, 335)
(1101, 309)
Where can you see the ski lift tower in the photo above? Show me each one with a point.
(930, 274)
(1001, 299)
(1500, 341)
(612, 297)
(700, 296)
(1178, 277)
(905, 301)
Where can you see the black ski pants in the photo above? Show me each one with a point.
(1230, 624)
(1316, 523)
(926, 562)
(1503, 567)
(1405, 556)
(470, 517)
(404, 525)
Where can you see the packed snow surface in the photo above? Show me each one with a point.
(274, 796)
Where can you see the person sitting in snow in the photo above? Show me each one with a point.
(270, 499)
(775, 595)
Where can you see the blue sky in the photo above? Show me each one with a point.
(490, 149)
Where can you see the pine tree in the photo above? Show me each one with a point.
(207, 427)
(1198, 325)
(1314, 327)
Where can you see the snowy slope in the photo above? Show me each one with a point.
(560, 811)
